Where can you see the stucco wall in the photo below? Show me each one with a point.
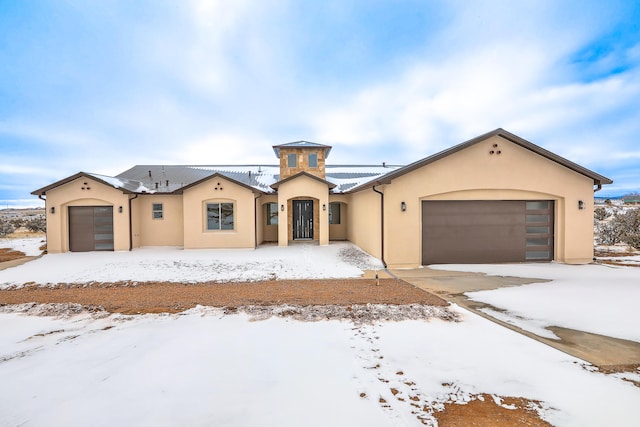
(474, 174)
(84, 191)
(218, 190)
(266, 233)
(303, 187)
(339, 231)
(363, 219)
(167, 231)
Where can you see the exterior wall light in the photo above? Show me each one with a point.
(282, 208)
(52, 210)
(324, 207)
(120, 209)
(580, 204)
(403, 206)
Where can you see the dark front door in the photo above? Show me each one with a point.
(302, 219)
(90, 228)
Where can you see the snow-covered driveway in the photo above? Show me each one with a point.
(600, 299)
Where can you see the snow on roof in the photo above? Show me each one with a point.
(302, 144)
(169, 178)
(124, 183)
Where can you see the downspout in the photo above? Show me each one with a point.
(381, 225)
(595, 190)
(46, 234)
(131, 224)
(255, 221)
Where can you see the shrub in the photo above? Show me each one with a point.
(623, 228)
(17, 222)
(37, 224)
(600, 213)
(6, 227)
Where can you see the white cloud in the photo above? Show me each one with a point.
(45, 133)
(227, 148)
(432, 104)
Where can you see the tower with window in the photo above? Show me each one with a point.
(302, 156)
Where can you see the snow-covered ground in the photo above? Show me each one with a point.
(29, 245)
(173, 264)
(600, 299)
(202, 367)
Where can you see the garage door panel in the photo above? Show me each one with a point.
(90, 228)
(486, 231)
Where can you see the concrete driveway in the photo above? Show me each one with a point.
(600, 350)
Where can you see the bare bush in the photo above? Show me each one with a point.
(6, 227)
(37, 224)
(17, 222)
(623, 228)
(600, 213)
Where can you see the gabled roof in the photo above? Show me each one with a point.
(123, 184)
(218, 175)
(301, 174)
(597, 178)
(302, 144)
(172, 178)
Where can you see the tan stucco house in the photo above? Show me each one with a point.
(494, 198)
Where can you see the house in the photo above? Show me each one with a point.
(494, 198)
(632, 199)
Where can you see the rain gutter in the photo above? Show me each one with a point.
(46, 240)
(255, 220)
(381, 224)
(130, 224)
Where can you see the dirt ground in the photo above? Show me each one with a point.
(156, 297)
(10, 254)
(484, 412)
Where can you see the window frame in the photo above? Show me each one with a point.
(271, 216)
(292, 160)
(155, 211)
(315, 158)
(332, 213)
(221, 217)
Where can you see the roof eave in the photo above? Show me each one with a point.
(43, 191)
(219, 175)
(380, 181)
(300, 174)
(597, 178)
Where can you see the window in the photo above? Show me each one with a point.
(313, 160)
(220, 216)
(272, 213)
(157, 211)
(292, 160)
(334, 213)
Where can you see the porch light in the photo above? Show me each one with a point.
(403, 206)
(324, 207)
(580, 204)
(282, 208)
(52, 210)
(120, 209)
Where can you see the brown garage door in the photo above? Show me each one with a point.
(486, 231)
(90, 228)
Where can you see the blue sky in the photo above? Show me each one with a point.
(99, 86)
